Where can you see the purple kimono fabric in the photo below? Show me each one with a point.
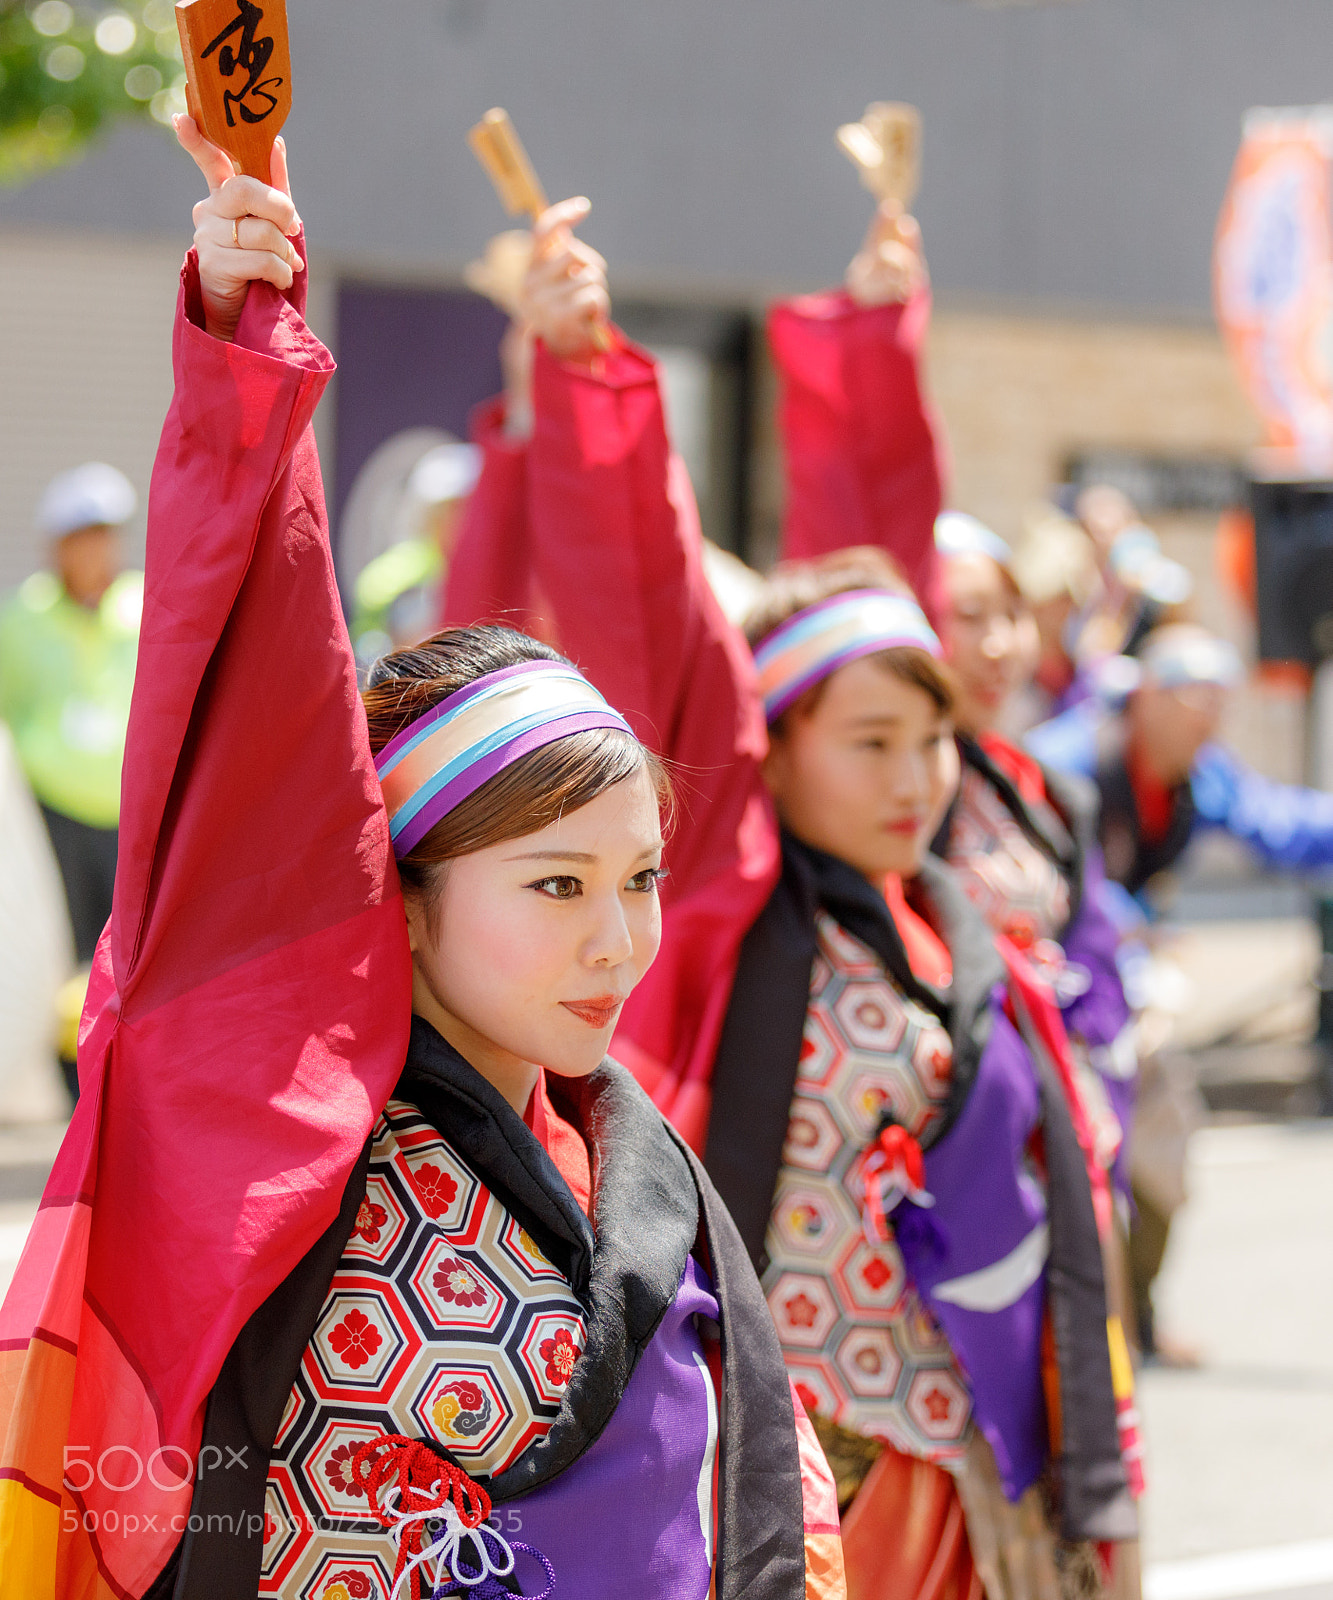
(1101, 1015)
(977, 1255)
(592, 1523)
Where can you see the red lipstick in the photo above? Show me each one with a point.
(598, 1012)
(909, 827)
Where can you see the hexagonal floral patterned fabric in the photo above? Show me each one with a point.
(860, 1346)
(444, 1321)
(1019, 891)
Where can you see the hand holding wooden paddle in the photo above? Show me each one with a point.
(560, 290)
(885, 147)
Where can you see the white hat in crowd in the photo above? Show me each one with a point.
(93, 495)
(959, 534)
(448, 472)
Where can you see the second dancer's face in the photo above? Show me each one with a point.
(868, 773)
(532, 946)
(991, 638)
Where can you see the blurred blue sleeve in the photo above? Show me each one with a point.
(1287, 825)
(1068, 743)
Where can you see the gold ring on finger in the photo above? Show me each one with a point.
(236, 233)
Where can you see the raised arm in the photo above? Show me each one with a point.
(1288, 826)
(490, 572)
(863, 462)
(616, 559)
(249, 1006)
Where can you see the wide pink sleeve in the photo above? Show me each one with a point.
(250, 1002)
(617, 557)
(825, 1576)
(863, 457)
(490, 572)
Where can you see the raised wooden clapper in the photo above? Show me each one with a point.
(886, 149)
(496, 144)
(238, 75)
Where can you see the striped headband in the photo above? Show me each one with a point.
(446, 755)
(826, 636)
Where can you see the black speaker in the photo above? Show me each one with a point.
(1293, 547)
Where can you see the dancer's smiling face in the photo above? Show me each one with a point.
(525, 951)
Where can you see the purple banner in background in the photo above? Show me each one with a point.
(408, 358)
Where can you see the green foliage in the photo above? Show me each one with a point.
(68, 69)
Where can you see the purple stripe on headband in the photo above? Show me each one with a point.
(457, 700)
(482, 771)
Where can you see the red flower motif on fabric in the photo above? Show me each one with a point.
(356, 1339)
(559, 1354)
(938, 1405)
(270, 1526)
(801, 1311)
(807, 1396)
(436, 1190)
(370, 1220)
(876, 1272)
(456, 1281)
(338, 1470)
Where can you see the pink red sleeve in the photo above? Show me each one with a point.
(258, 942)
(825, 1578)
(490, 572)
(863, 462)
(249, 1009)
(617, 557)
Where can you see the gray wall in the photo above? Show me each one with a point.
(1076, 153)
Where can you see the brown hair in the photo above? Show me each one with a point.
(531, 794)
(794, 585)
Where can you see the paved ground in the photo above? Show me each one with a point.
(1240, 1453)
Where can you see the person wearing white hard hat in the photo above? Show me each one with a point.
(68, 641)
(396, 594)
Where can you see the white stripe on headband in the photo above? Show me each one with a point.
(817, 641)
(457, 746)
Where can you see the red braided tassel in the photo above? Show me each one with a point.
(425, 1482)
(895, 1159)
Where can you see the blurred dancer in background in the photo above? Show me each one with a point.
(68, 642)
(797, 1027)
(396, 595)
(861, 459)
(1024, 838)
(1162, 777)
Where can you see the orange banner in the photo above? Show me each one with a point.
(1273, 283)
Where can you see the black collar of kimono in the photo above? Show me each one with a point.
(754, 1074)
(629, 1276)
(652, 1202)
